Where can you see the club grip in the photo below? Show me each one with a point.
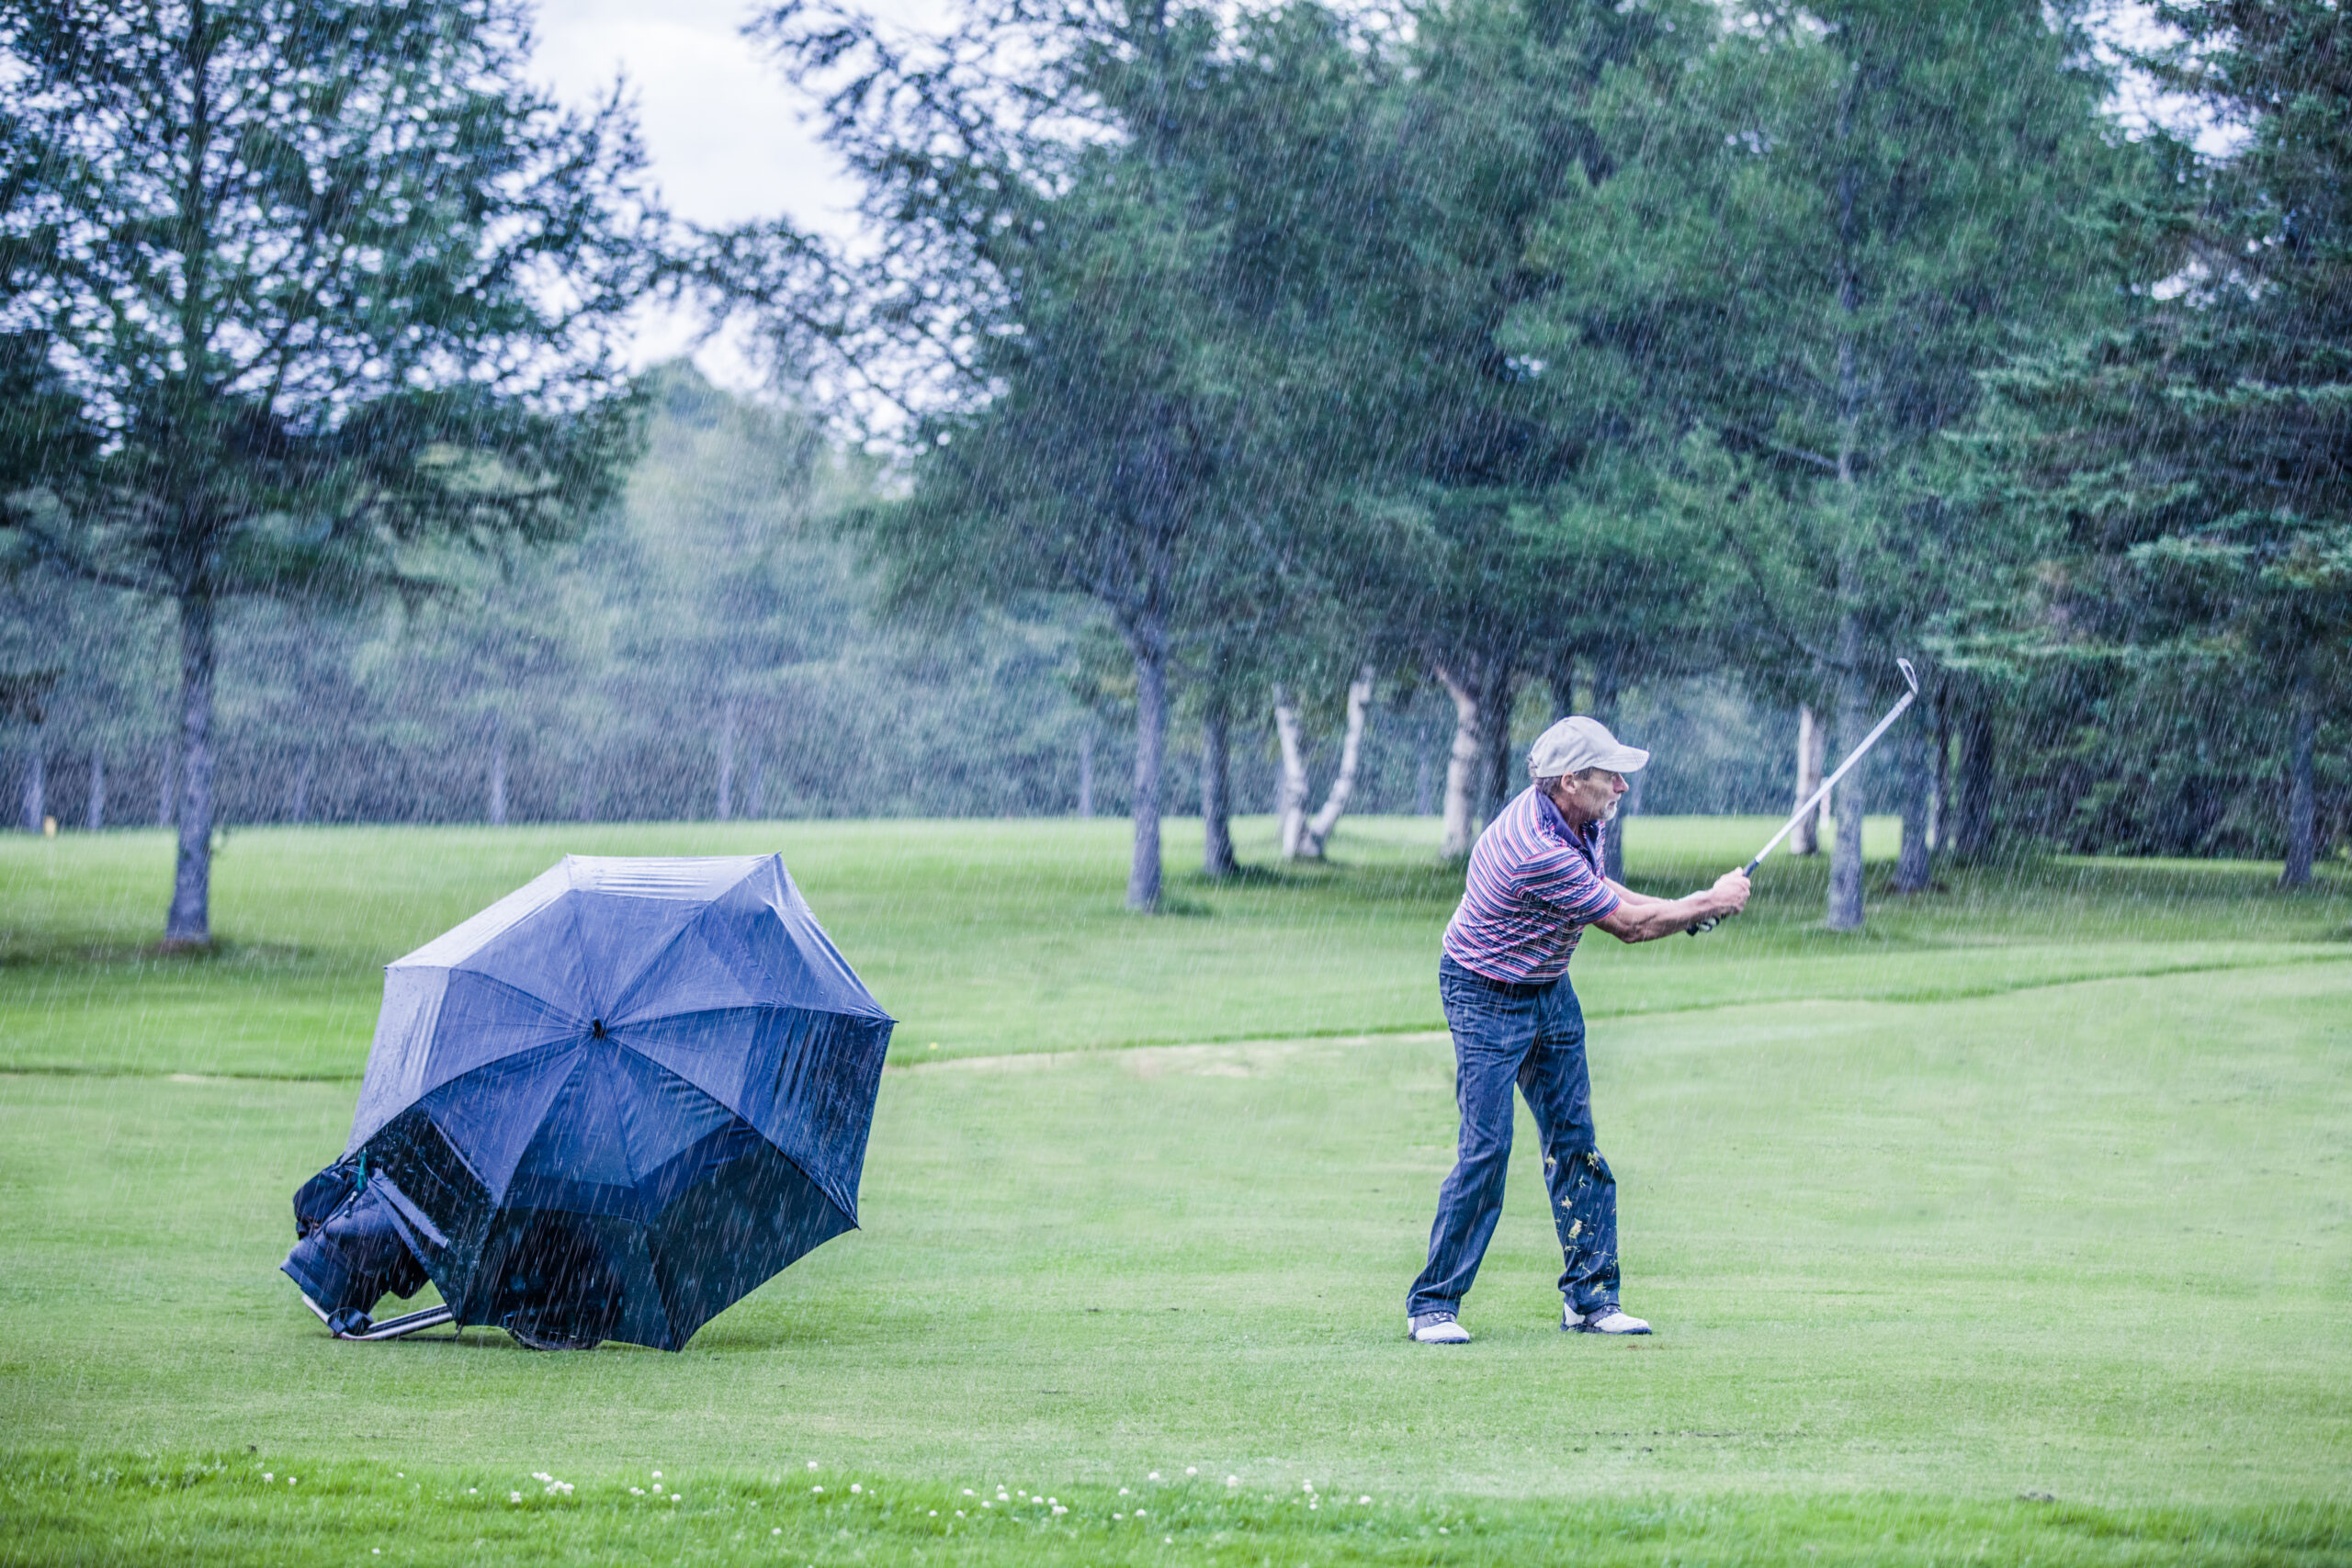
(1712, 921)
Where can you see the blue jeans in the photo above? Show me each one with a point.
(1531, 1035)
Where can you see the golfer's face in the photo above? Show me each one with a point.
(1595, 792)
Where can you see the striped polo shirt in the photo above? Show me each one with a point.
(1535, 884)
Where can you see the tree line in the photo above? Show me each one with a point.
(1534, 352)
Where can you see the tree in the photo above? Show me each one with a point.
(1861, 205)
(2193, 463)
(332, 287)
(1065, 314)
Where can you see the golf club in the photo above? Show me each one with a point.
(1911, 678)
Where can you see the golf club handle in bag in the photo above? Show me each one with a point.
(1910, 679)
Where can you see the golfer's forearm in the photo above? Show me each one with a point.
(1641, 918)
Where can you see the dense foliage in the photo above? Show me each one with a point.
(1214, 375)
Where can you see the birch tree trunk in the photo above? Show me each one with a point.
(1913, 870)
(1853, 723)
(2303, 795)
(191, 921)
(1290, 793)
(1462, 764)
(1148, 638)
(1812, 741)
(727, 760)
(35, 800)
(1318, 829)
(1216, 794)
(98, 817)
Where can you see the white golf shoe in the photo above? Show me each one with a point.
(1436, 1328)
(1608, 1320)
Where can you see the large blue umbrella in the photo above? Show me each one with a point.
(611, 1104)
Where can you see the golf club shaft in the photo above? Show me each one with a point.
(1818, 796)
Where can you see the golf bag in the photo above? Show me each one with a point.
(348, 1255)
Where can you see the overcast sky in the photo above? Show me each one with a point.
(728, 138)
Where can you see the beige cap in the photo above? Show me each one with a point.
(1575, 744)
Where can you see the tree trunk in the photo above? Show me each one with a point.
(1812, 741)
(1494, 712)
(1564, 690)
(1216, 794)
(1290, 793)
(758, 785)
(1086, 772)
(727, 760)
(1424, 777)
(191, 921)
(1853, 723)
(498, 770)
(1319, 830)
(1913, 871)
(98, 817)
(1606, 708)
(1462, 765)
(298, 804)
(1149, 641)
(35, 800)
(2302, 797)
(1972, 819)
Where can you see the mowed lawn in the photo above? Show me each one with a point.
(2014, 1228)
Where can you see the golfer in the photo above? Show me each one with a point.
(1535, 883)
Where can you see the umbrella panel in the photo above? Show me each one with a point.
(584, 1245)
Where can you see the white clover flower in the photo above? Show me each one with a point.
(1123, 1491)
(657, 1475)
(1233, 1481)
(935, 1513)
(853, 1487)
(815, 1489)
(778, 1530)
(812, 1464)
(1153, 1476)
(677, 1498)
(1058, 1509)
(1192, 1470)
(637, 1491)
(291, 1479)
(1139, 1513)
(513, 1496)
(1306, 1486)
(475, 1491)
(1118, 1516)
(270, 1475)
(985, 1503)
(657, 1489)
(959, 1513)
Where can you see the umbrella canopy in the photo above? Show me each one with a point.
(621, 1098)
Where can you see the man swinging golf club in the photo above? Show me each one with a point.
(1535, 884)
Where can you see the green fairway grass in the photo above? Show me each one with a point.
(2018, 1227)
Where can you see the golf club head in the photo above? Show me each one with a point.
(1909, 674)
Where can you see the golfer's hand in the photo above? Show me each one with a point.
(1730, 893)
